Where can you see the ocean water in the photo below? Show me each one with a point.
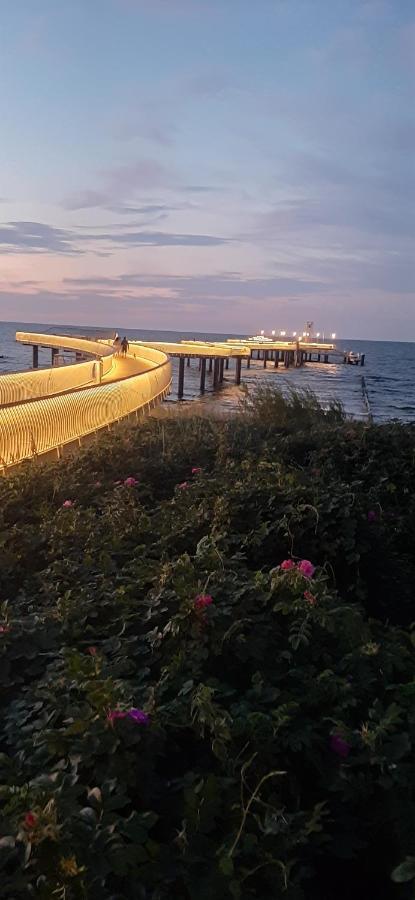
(389, 371)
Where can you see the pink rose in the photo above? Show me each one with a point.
(306, 568)
(183, 486)
(130, 482)
(196, 470)
(67, 504)
(203, 600)
(287, 565)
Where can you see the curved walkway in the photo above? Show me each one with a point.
(47, 411)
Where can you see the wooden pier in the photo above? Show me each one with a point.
(43, 411)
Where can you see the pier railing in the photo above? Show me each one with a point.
(49, 424)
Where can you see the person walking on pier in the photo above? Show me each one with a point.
(124, 346)
(117, 344)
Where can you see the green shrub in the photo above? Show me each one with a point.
(181, 717)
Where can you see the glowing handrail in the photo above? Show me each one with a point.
(43, 424)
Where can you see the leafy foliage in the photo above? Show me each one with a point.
(278, 757)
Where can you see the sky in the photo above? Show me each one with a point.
(209, 165)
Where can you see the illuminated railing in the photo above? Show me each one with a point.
(43, 382)
(40, 425)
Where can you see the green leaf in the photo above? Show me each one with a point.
(405, 871)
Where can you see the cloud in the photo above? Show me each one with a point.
(159, 239)
(204, 288)
(37, 237)
(28, 237)
(121, 184)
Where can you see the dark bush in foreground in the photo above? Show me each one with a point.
(182, 718)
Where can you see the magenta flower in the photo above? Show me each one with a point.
(4, 629)
(306, 568)
(30, 820)
(371, 516)
(67, 504)
(113, 714)
(310, 598)
(183, 486)
(196, 470)
(130, 482)
(203, 600)
(339, 746)
(287, 565)
(139, 716)
(92, 651)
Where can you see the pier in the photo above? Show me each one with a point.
(45, 412)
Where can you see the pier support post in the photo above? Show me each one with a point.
(188, 360)
(55, 353)
(265, 358)
(180, 388)
(238, 370)
(276, 359)
(210, 364)
(248, 362)
(215, 372)
(362, 359)
(326, 357)
(202, 374)
(35, 356)
(286, 359)
(227, 363)
(318, 357)
(221, 365)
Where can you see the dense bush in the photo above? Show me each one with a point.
(184, 718)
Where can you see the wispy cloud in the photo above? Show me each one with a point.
(121, 183)
(27, 237)
(37, 237)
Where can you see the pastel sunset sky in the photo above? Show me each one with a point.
(209, 165)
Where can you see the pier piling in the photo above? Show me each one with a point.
(180, 388)
(238, 370)
(202, 374)
(36, 356)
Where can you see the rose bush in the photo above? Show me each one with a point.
(210, 691)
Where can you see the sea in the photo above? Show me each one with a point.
(389, 372)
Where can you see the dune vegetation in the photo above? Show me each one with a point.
(207, 662)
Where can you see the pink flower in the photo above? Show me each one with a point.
(4, 629)
(92, 651)
(287, 564)
(139, 716)
(203, 600)
(371, 516)
(196, 470)
(97, 484)
(306, 568)
(30, 820)
(113, 714)
(130, 482)
(67, 504)
(310, 598)
(339, 746)
(183, 486)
